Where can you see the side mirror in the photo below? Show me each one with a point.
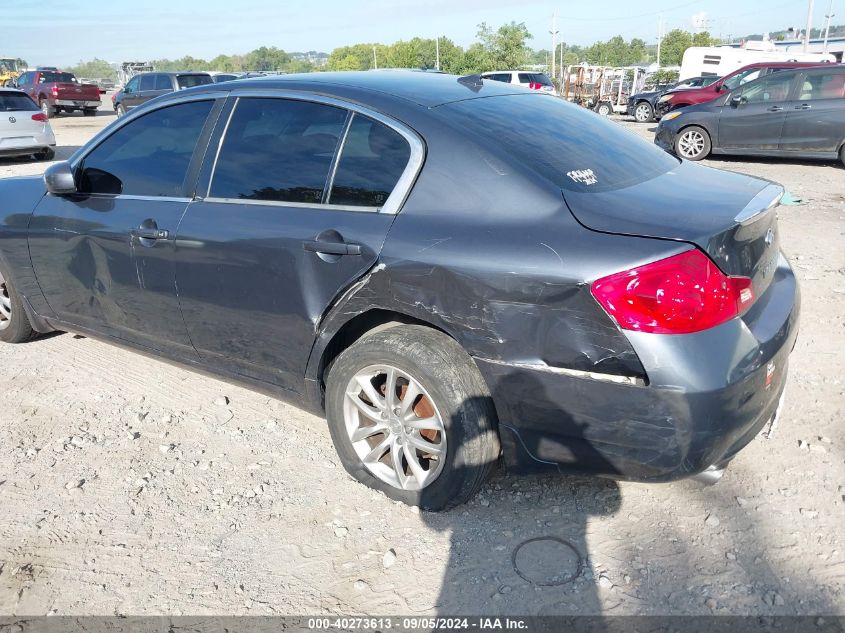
(737, 100)
(719, 88)
(58, 178)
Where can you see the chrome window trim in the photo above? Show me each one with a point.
(297, 205)
(130, 196)
(403, 186)
(135, 113)
(327, 195)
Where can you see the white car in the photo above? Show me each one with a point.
(24, 128)
(527, 79)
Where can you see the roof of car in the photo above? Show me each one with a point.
(784, 64)
(425, 89)
(173, 72)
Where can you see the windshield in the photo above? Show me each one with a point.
(8, 65)
(189, 81)
(741, 78)
(573, 147)
(16, 102)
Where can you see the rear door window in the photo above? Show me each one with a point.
(148, 156)
(148, 82)
(163, 82)
(822, 86)
(373, 158)
(189, 81)
(278, 149)
(16, 102)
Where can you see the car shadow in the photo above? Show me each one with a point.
(530, 540)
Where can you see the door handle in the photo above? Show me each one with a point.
(803, 106)
(331, 248)
(145, 233)
(775, 109)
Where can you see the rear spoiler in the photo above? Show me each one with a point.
(766, 199)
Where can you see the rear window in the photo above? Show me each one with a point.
(575, 148)
(189, 81)
(16, 102)
(56, 78)
(534, 78)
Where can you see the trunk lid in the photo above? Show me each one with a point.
(729, 216)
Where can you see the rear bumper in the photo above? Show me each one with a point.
(707, 397)
(82, 103)
(23, 145)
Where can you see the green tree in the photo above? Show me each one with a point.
(476, 59)
(265, 58)
(358, 57)
(94, 69)
(704, 39)
(506, 47)
(673, 45)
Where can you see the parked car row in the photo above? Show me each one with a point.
(643, 105)
(798, 113)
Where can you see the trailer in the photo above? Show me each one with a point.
(128, 70)
(604, 89)
(718, 61)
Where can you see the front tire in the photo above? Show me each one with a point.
(410, 415)
(842, 155)
(604, 108)
(643, 112)
(14, 324)
(692, 143)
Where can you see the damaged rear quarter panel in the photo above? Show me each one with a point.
(488, 252)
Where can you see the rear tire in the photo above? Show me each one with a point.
(604, 108)
(120, 110)
(14, 324)
(643, 112)
(842, 155)
(692, 143)
(451, 411)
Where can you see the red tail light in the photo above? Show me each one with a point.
(678, 295)
(39, 116)
(535, 86)
(55, 91)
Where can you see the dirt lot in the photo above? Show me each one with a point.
(130, 487)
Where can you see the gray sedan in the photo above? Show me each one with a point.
(798, 113)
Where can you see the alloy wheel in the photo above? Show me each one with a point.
(642, 113)
(5, 304)
(691, 144)
(394, 427)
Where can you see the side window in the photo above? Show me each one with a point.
(524, 78)
(742, 78)
(163, 82)
(148, 82)
(132, 86)
(772, 88)
(278, 149)
(823, 86)
(149, 156)
(373, 158)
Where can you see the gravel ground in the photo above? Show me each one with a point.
(128, 486)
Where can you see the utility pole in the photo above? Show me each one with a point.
(554, 42)
(659, 38)
(375, 59)
(437, 53)
(809, 25)
(830, 14)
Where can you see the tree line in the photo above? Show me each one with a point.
(506, 47)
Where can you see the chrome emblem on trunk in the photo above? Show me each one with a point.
(12, 119)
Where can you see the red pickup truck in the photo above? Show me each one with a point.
(56, 91)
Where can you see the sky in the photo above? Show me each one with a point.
(64, 32)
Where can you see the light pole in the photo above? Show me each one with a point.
(809, 25)
(554, 33)
(829, 16)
